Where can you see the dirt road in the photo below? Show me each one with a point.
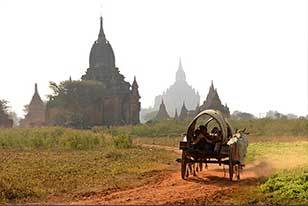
(210, 186)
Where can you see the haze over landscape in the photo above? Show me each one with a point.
(255, 51)
(153, 102)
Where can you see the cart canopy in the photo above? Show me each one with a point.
(213, 115)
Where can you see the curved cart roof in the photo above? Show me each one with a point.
(216, 115)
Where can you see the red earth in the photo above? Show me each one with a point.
(209, 186)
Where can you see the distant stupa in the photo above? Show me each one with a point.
(178, 93)
(184, 112)
(36, 112)
(212, 101)
(162, 112)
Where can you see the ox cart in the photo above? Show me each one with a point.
(225, 151)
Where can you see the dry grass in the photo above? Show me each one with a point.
(36, 164)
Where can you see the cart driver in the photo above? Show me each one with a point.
(201, 140)
(216, 138)
(216, 135)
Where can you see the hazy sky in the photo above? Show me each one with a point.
(255, 51)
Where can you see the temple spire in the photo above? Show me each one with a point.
(135, 91)
(180, 74)
(184, 112)
(135, 84)
(35, 88)
(212, 84)
(101, 34)
(162, 113)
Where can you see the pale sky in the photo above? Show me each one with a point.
(255, 51)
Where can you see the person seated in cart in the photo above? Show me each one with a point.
(198, 140)
(202, 140)
(212, 141)
(216, 138)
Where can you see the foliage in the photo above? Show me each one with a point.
(150, 129)
(123, 142)
(26, 109)
(160, 128)
(13, 116)
(149, 116)
(242, 115)
(51, 138)
(273, 127)
(256, 127)
(74, 103)
(3, 106)
(4, 118)
(287, 185)
(289, 163)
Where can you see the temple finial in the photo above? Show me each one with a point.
(35, 88)
(101, 34)
(180, 74)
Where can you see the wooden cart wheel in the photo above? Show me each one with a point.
(230, 170)
(231, 165)
(200, 166)
(237, 169)
(184, 166)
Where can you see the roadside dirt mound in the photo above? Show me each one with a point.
(208, 187)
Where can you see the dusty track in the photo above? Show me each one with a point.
(208, 187)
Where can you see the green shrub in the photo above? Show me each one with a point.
(288, 184)
(51, 138)
(171, 128)
(273, 127)
(123, 142)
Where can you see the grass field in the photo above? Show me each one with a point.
(50, 164)
(37, 175)
(39, 164)
(286, 165)
(256, 127)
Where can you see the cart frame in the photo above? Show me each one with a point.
(196, 158)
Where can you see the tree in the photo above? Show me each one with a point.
(275, 115)
(26, 109)
(75, 103)
(242, 115)
(3, 106)
(4, 118)
(13, 116)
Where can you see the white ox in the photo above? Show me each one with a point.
(239, 141)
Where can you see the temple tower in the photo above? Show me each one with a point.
(162, 112)
(121, 103)
(184, 112)
(177, 93)
(212, 101)
(36, 111)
